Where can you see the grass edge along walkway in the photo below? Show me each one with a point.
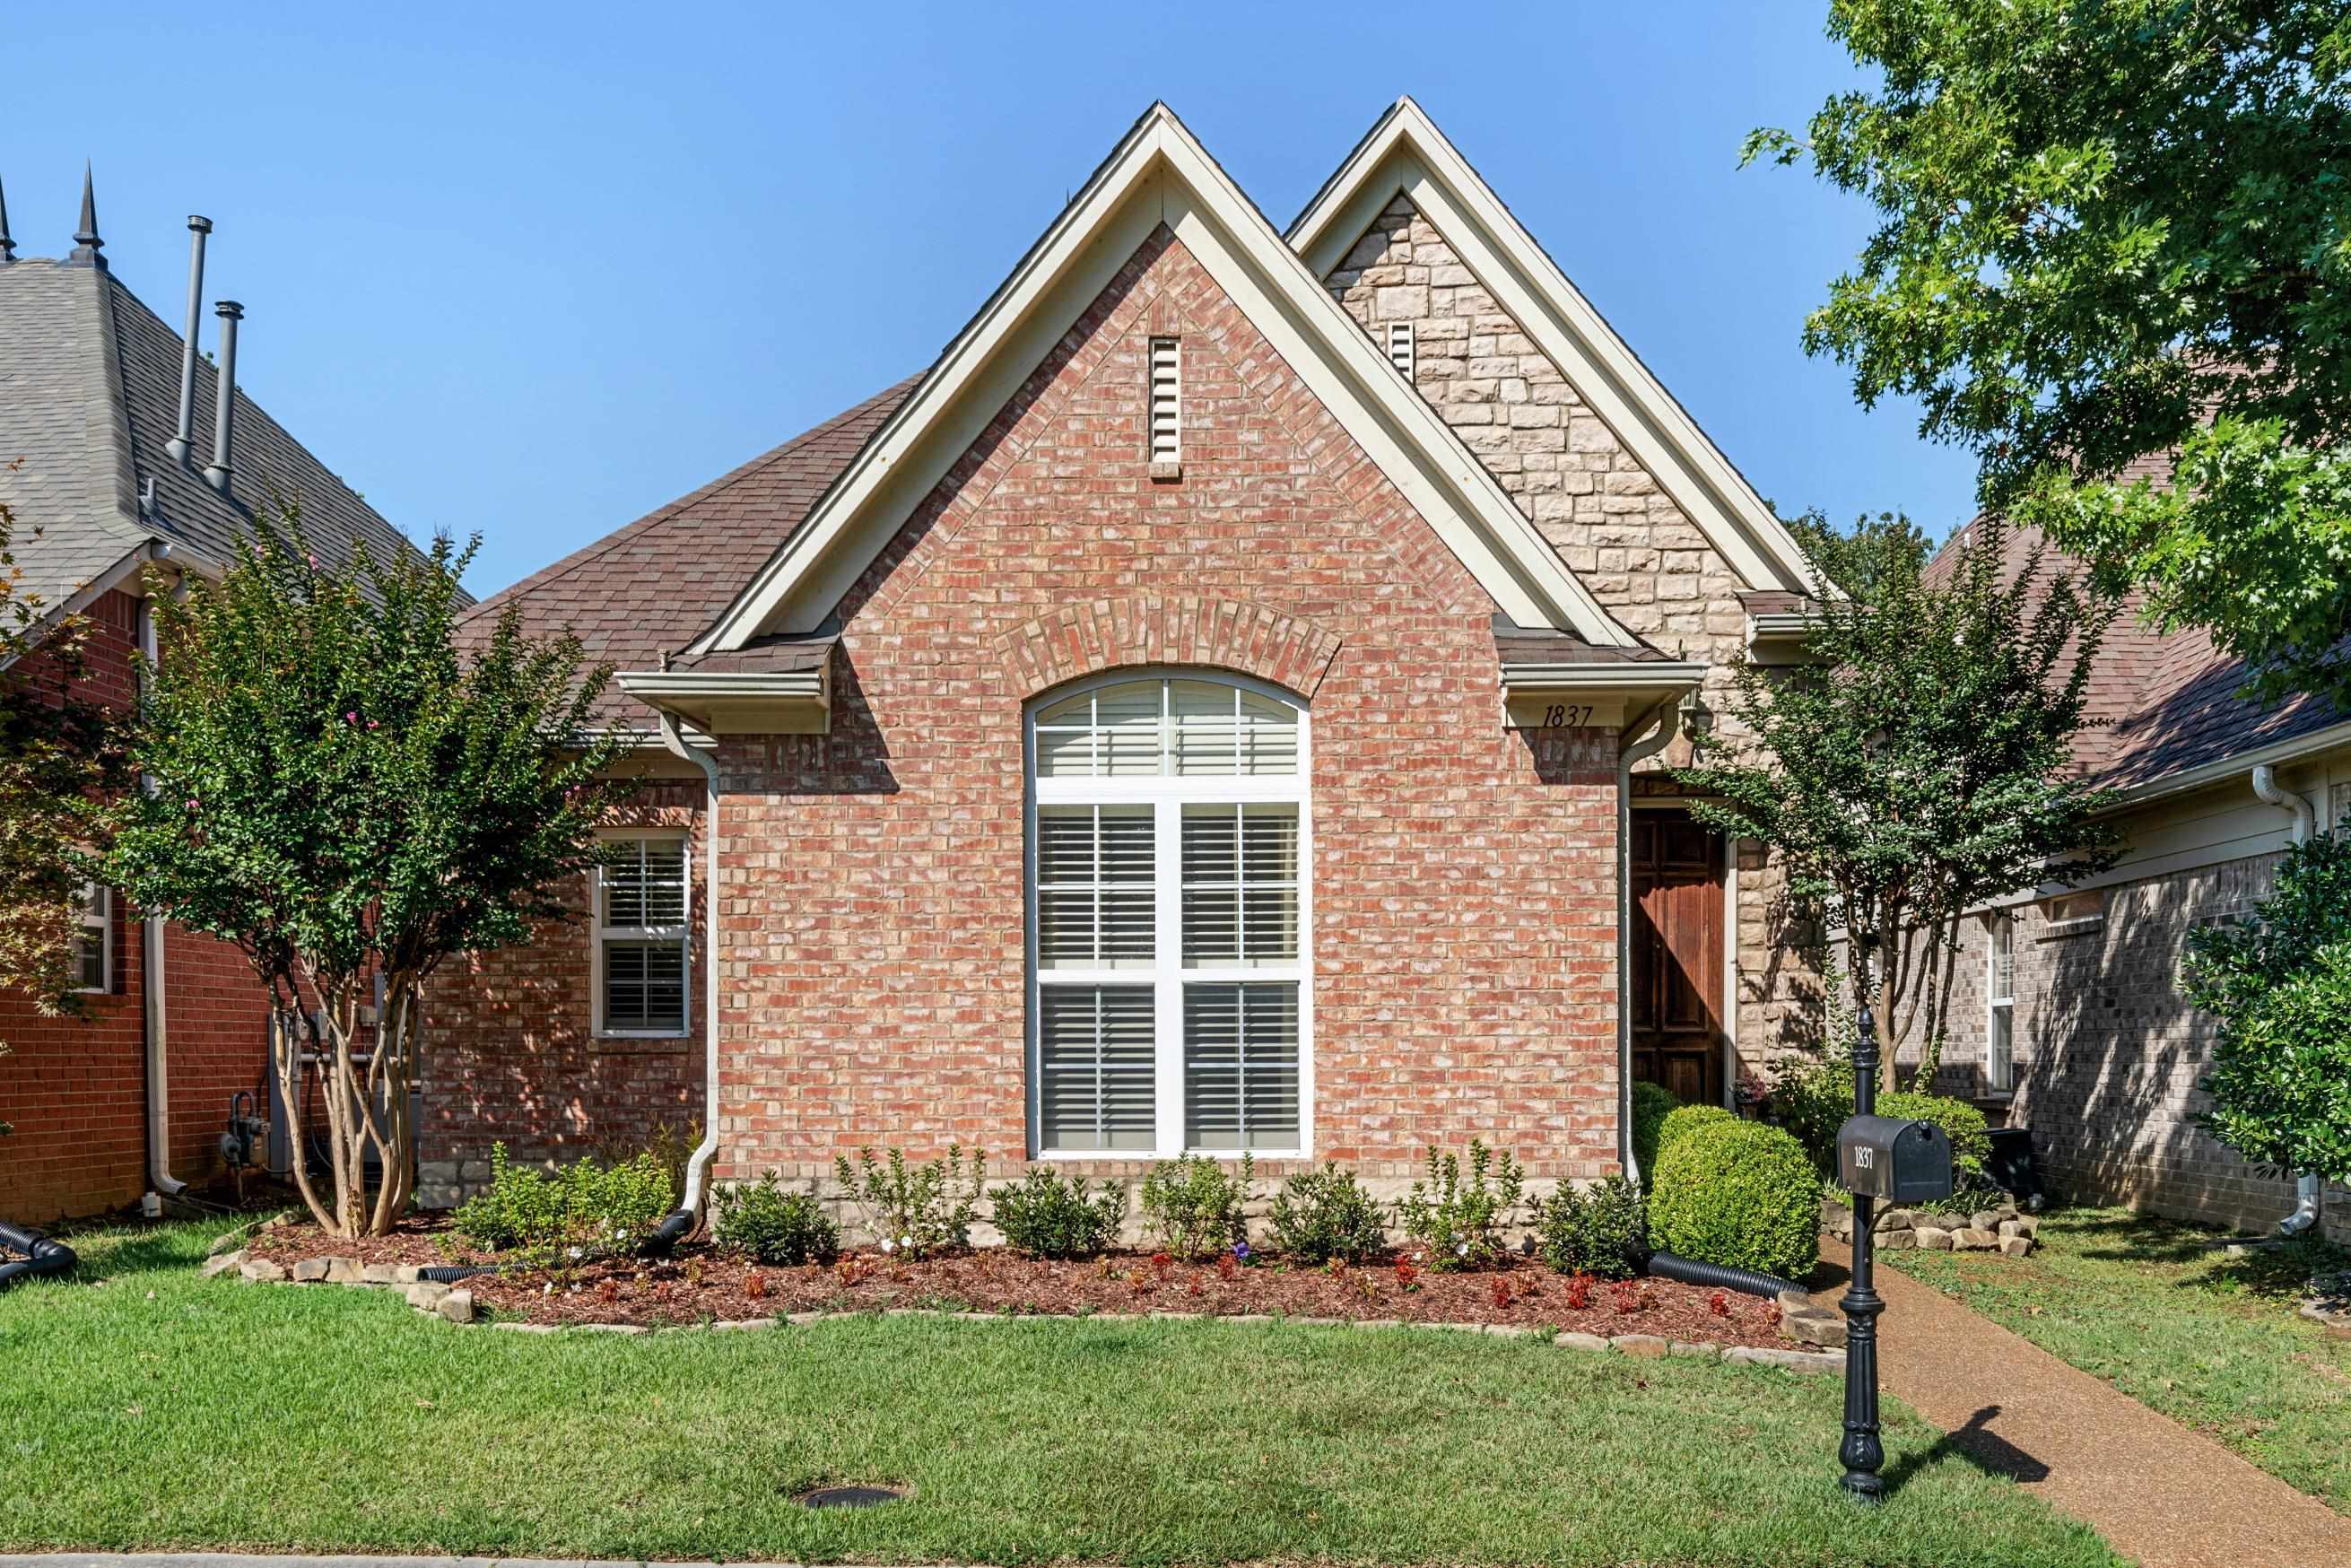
(169, 1412)
(2164, 1495)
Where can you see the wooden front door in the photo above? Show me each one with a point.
(1676, 956)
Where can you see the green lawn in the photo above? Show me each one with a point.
(156, 1410)
(2157, 1310)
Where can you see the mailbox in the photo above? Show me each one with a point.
(1901, 1162)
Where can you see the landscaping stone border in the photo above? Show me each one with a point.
(2005, 1230)
(455, 1305)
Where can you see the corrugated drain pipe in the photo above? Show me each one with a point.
(1638, 752)
(2308, 1189)
(675, 1226)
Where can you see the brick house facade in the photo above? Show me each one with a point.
(131, 1098)
(1189, 716)
(2101, 1054)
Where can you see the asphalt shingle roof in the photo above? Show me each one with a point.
(89, 392)
(651, 587)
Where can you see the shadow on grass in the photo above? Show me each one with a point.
(1980, 1445)
(2271, 1271)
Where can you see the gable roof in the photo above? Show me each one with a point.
(1405, 152)
(90, 389)
(650, 588)
(1159, 173)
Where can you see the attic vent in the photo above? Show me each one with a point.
(1167, 409)
(1400, 347)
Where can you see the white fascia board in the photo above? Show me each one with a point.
(1160, 173)
(1653, 681)
(2223, 768)
(1406, 152)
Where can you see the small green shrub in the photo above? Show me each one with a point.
(916, 1209)
(1321, 1214)
(1046, 1216)
(1812, 1094)
(1461, 1223)
(1741, 1193)
(587, 1209)
(1603, 1231)
(1652, 1104)
(771, 1226)
(1194, 1208)
(1961, 1122)
(1689, 1119)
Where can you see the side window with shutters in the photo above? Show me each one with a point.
(642, 938)
(1168, 897)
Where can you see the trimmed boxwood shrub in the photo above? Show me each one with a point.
(1741, 1193)
(1652, 1104)
(1961, 1122)
(1689, 1119)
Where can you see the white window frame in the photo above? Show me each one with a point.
(600, 933)
(1168, 794)
(94, 922)
(1999, 1069)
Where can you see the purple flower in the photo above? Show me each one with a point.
(351, 718)
(1241, 1251)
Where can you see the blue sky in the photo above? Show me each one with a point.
(535, 269)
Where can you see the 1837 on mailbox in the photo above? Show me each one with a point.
(1901, 1162)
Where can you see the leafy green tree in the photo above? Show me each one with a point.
(2280, 985)
(352, 800)
(58, 754)
(2115, 230)
(1918, 762)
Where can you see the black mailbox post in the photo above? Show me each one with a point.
(1893, 1161)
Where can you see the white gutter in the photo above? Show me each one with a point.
(698, 1163)
(2307, 1188)
(2228, 768)
(1637, 752)
(160, 1182)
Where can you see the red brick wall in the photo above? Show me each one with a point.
(76, 1088)
(873, 970)
(510, 1053)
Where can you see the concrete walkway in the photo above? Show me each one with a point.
(2164, 1495)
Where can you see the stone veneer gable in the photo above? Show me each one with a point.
(1640, 555)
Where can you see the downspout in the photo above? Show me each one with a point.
(1637, 752)
(160, 1183)
(2307, 1188)
(675, 1226)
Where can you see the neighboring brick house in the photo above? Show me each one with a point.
(1191, 714)
(133, 1098)
(2068, 1018)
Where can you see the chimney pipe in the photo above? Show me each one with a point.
(182, 442)
(217, 471)
(7, 245)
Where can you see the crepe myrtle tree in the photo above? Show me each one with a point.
(352, 800)
(2279, 983)
(2109, 231)
(59, 755)
(1916, 763)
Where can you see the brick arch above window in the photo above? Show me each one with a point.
(1080, 640)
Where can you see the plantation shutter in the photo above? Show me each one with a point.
(1094, 887)
(641, 933)
(1240, 1066)
(1095, 1059)
(1240, 884)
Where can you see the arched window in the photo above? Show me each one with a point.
(1168, 900)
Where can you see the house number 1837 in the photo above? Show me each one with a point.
(1567, 715)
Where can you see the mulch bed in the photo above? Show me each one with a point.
(701, 1284)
